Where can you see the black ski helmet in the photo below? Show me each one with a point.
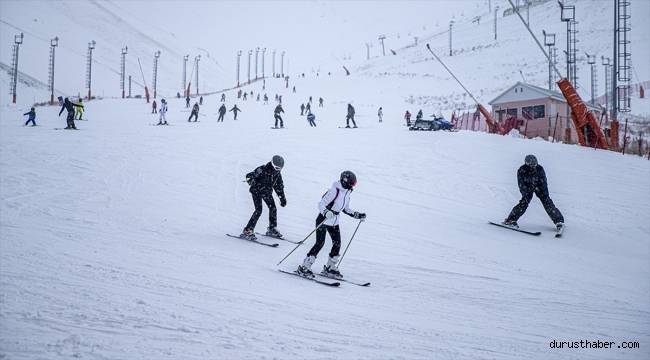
(277, 162)
(348, 179)
(531, 160)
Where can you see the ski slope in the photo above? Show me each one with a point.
(113, 239)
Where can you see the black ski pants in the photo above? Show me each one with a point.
(273, 211)
(312, 123)
(221, 117)
(335, 234)
(278, 117)
(32, 121)
(70, 120)
(347, 120)
(193, 114)
(542, 193)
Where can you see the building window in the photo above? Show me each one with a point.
(539, 112)
(527, 112)
(511, 112)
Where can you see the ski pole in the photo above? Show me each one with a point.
(303, 240)
(346, 248)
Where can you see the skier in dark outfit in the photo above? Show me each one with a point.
(276, 115)
(235, 110)
(195, 113)
(532, 179)
(311, 118)
(222, 112)
(31, 118)
(69, 107)
(335, 201)
(263, 180)
(350, 116)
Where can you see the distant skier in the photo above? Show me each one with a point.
(302, 109)
(380, 114)
(235, 110)
(32, 117)
(263, 180)
(80, 110)
(187, 101)
(419, 115)
(308, 107)
(201, 100)
(162, 113)
(195, 113)
(310, 99)
(294, 89)
(350, 116)
(222, 112)
(154, 107)
(239, 94)
(531, 179)
(223, 97)
(407, 117)
(280, 99)
(266, 99)
(276, 115)
(258, 97)
(320, 102)
(245, 95)
(69, 107)
(312, 119)
(335, 201)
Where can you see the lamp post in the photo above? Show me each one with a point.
(89, 66)
(591, 60)
(156, 55)
(273, 62)
(381, 39)
(451, 23)
(125, 50)
(53, 44)
(257, 51)
(196, 60)
(18, 39)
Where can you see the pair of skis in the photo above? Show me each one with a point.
(558, 232)
(324, 282)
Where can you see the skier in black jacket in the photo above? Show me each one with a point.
(263, 180)
(350, 116)
(69, 107)
(276, 115)
(195, 113)
(31, 118)
(235, 110)
(222, 112)
(532, 180)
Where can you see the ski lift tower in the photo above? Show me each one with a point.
(50, 83)
(591, 60)
(156, 55)
(381, 39)
(607, 63)
(238, 61)
(622, 58)
(185, 58)
(18, 39)
(549, 41)
(125, 50)
(196, 62)
(568, 15)
(89, 66)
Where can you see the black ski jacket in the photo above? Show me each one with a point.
(531, 180)
(222, 109)
(264, 180)
(278, 110)
(69, 106)
(350, 110)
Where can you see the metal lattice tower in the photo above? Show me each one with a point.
(50, 79)
(18, 39)
(568, 16)
(608, 87)
(123, 69)
(622, 56)
(185, 58)
(196, 60)
(591, 60)
(257, 52)
(549, 41)
(89, 67)
(156, 55)
(238, 61)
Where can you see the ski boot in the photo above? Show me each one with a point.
(510, 223)
(248, 234)
(273, 232)
(330, 270)
(165, 123)
(305, 268)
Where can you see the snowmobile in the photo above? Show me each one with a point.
(434, 124)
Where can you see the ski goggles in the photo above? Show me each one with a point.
(276, 167)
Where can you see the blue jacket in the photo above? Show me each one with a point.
(32, 114)
(311, 117)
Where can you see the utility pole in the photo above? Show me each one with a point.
(238, 61)
(250, 52)
(89, 65)
(53, 44)
(156, 55)
(257, 51)
(496, 10)
(591, 60)
(381, 39)
(18, 39)
(282, 63)
(263, 57)
(196, 61)
(273, 62)
(123, 68)
(608, 68)
(549, 41)
(129, 86)
(451, 23)
(185, 58)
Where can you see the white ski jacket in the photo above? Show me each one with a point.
(336, 199)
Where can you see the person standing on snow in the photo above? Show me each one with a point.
(163, 111)
(419, 115)
(235, 110)
(187, 101)
(531, 179)
(154, 106)
(407, 117)
(31, 118)
(320, 102)
(380, 114)
(350, 116)
(312, 119)
(266, 99)
(302, 109)
(308, 107)
(335, 201)
(195, 113)
(80, 109)
(276, 115)
(222, 112)
(69, 107)
(201, 100)
(263, 180)
(223, 97)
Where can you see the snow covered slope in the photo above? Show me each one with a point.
(112, 239)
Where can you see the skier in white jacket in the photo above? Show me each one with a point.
(162, 112)
(335, 201)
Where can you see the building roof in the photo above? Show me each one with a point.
(530, 92)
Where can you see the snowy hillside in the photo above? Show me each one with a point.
(112, 237)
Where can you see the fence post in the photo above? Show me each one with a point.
(557, 116)
(625, 137)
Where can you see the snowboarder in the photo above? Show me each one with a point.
(419, 115)
(263, 180)
(335, 201)
(308, 107)
(163, 110)
(266, 99)
(302, 109)
(245, 95)
(276, 115)
(311, 118)
(69, 107)
(407, 117)
(201, 100)
(80, 110)
(222, 112)
(320, 102)
(154, 106)
(531, 178)
(350, 116)
(223, 97)
(195, 113)
(235, 110)
(380, 114)
(187, 101)
(32, 117)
